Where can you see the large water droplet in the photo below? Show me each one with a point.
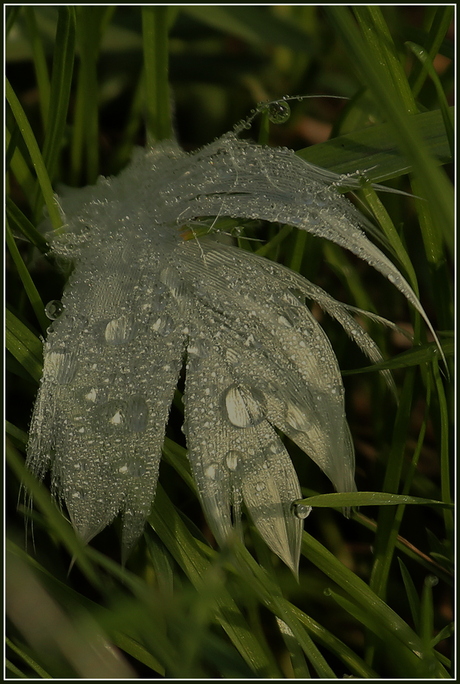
(301, 511)
(136, 468)
(233, 458)
(61, 367)
(171, 278)
(279, 112)
(54, 309)
(245, 405)
(198, 347)
(137, 414)
(296, 418)
(91, 395)
(212, 471)
(111, 415)
(120, 330)
(163, 325)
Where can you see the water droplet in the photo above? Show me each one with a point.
(117, 418)
(296, 418)
(245, 405)
(61, 367)
(91, 395)
(232, 458)
(282, 320)
(198, 348)
(163, 325)
(231, 356)
(120, 330)
(212, 471)
(110, 415)
(260, 486)
(327, 592)
(137, 414)
(136, 468)
(123, 470)
(171, 278)
(300, 510)
(54, 309)
(279, 112)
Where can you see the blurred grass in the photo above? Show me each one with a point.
(85, 85)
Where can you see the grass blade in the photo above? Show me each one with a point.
(36, 157)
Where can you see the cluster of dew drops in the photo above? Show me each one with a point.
(277, 112)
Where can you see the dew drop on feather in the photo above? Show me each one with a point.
(245, 406)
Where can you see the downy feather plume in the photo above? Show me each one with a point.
(142, 300)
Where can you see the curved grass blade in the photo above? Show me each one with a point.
(369, 604)
(29, 285)
(433, 181)
(24, 345)
(424, 353)
(339, 499)
(61, 81)
(374, 152)
(56, 520)
(40, 65)
(36, 157)
(22, 224)
(187, 553)
(404, 662)
(447, 114)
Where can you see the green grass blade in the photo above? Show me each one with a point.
(90, 22)
(440, 24)
(40, 65)
(36, 157)
(299, 664)
(424, 58)
(61, 81)
(374, 151)
(269, 593)
(370, 604)
(68, 597)
(155, 27)
(426, 611)
(17, 164)
(343, 500)
(385, 222)
(56, 520)
(405, 662)
(29, 285)
(9, 667)
(409, 550)
(433, 181)
(43, 674)
(445, 436)
(423, 353)
(19, 221)
(444, 633)
(412, 596)
(257, 25)
(24, 345)
(11, 17)
(383, 550)
(185, 550)
(17, 435)
(382, 50)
